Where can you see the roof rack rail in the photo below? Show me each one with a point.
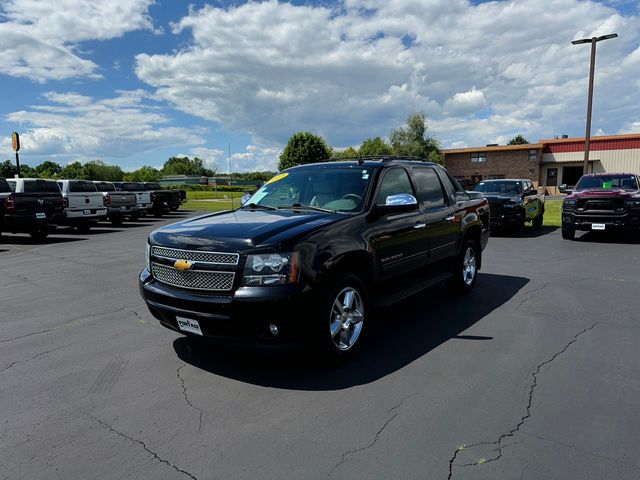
(382, 158)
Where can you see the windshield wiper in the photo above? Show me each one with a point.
(255, 206)
(300, 206)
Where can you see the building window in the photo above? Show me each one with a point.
(533, 155)
(478, 157)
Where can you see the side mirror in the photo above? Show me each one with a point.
(402, 202)
(245, 198)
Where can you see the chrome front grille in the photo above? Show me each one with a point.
(214, 258)
(193, 279)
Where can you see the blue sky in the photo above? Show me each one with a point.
(133, 82)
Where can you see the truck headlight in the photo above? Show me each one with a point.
(632, 203)
(569, 204)
(271, 269)
(147, 257)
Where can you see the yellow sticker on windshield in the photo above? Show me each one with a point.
(277, 177)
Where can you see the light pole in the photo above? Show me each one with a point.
(587, 135)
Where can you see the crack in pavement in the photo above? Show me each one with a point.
(68, 324)
(377, 435)
(18, 362)
(144, 446)
(498, 443)
(186, 397)
(530, 294)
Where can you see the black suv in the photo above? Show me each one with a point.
(309, 255)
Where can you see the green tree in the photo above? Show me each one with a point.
(48, 169)
(518, 140)
(71, 171)
(98, 170)
(413, 140)
(7, 169)
(374, 146)
(303, 147)
(143, 174)
(348, 152)
(186, 166)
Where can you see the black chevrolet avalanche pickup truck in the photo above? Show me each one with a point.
(313, 251)
(602, 201)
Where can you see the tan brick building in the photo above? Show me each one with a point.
(548, 163)
(507, 161)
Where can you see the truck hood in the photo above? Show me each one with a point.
(604, 193)
(241, 230)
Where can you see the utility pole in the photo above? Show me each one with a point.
(587, 135)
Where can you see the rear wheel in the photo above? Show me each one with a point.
(117, 221)
(84, 227)
(568, 233)
(466, 267)
(342, 316)
(39, 233)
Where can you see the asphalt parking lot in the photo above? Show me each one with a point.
(535, 374)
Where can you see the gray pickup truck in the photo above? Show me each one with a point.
(120, 205)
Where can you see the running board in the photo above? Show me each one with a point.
(398, 294)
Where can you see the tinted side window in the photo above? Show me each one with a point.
(12, 185)
(429, 187)
(395, 181)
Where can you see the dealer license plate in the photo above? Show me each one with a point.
(189, 325)
(124, 209)
(87, 212)
(41, 216)
(597, 226)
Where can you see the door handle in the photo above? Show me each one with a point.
(419, 225)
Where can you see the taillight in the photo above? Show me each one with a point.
(106, 200)
(10, 204)
(65, 202)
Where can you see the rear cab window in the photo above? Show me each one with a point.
(105, 187)
(79, 186)
(41, 186)
(4, 186)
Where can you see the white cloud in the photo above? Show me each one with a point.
(71, 125)
(465, 102)
(39, 38)
(254, 158)
(358, 70)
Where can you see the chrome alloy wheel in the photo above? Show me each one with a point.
(347, 313)
(469, 266)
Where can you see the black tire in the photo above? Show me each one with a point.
(39, 234)
(117, 222)
(157, 214)
(537, 222)
(465, 270)
(568, 233)
(518, 230)
(134, 217)
(84, 227)
(352, 323)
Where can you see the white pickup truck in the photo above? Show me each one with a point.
(83, 204)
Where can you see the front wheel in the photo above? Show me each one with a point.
(466, 267)
(343, 314)
(537, 222)
(568, 233)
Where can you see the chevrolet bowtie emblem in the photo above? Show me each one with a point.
(183, 264)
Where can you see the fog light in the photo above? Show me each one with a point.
(273, 328)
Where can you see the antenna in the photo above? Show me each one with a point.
(230, 175)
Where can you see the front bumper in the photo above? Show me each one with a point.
(507, 218)
(241, 317)
(629, 220)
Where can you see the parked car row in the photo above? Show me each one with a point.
(37, 206)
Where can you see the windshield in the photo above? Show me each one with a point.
(506, 188)
(341, 188)
(626, 182)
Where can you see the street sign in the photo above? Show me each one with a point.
(15, 141)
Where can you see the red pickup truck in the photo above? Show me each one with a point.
(603, 201)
